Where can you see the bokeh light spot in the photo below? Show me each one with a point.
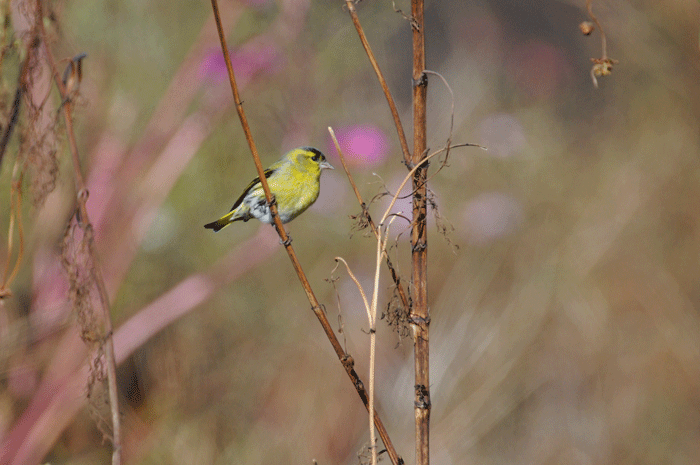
(492, 215)
(362, 144)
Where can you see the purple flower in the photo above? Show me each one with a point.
(362, 145)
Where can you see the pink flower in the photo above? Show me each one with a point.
(362, 145)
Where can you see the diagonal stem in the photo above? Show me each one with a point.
(394, 275)
(387, 93)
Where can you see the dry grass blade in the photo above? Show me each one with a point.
(371, 317)
(15, 217)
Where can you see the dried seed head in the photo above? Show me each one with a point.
(586, 28)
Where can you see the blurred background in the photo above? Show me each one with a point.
(563, 261)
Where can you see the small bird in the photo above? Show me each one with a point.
(294, 182)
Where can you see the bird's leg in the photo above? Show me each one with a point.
(286, 242)
(273, 201)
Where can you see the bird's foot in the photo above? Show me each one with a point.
(286, 242)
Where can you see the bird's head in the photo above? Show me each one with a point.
(310, 159)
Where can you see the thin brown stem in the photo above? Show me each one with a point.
(16, 187)
(344, 358)
(17, 102)
(371, 318)
(84, 222)
(448, 144)
(603, 40)
(244, 124)
(602, 66)
(420, 316)
(14, 114)
(15, 217)
(387, 93)
(394, 275)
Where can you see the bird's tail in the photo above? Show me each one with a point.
(221, 223)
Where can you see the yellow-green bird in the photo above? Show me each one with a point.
(294, 181)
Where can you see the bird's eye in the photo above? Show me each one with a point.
(316, 157)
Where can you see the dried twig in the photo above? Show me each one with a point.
(372, 319)
(404, 15)
(14, 114)
(420, 315)
(67, 89)
(365, 213)
(372, 308)
(17, 176)
(15, 217)
(452, 112)
(387, 93)
(601, 66)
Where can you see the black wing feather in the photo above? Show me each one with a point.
(253, 184)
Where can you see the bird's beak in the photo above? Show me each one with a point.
(326, 165)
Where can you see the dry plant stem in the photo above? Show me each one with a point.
(448, 145)
(387, 93)
(381, 251)
(394, 275)
(244, 124)
(344, 358)
(603, 40)
(13, 120)
(381, 248)
(84, 221)
(21, 88)
(372, 319)
(601, 66)
(411, 173)
(359, 288)
(16, 188)
(420, 317)
(372, 309)
(14, 113)
(15, 216)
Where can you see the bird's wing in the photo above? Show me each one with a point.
(253, 184)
